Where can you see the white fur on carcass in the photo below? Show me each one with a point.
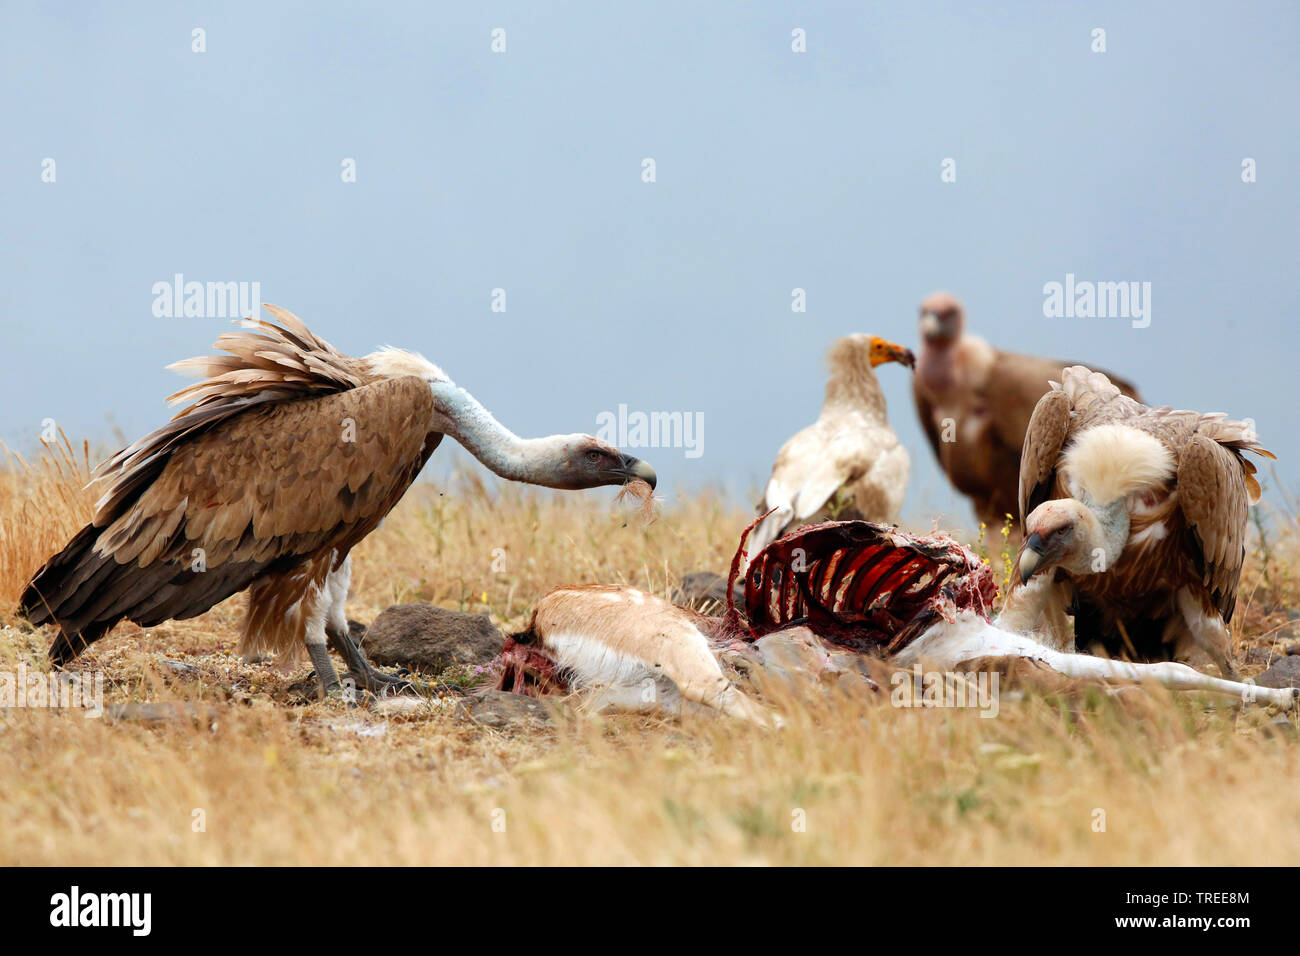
(615, 641)
(969, 636)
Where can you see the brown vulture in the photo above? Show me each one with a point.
(974, 402)
(289, 454)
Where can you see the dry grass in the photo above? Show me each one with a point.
(1179, 781)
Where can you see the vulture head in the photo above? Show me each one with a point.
(581, 461)
(1105, 466)
(1061, 535)
(853, 356)
(881, 351)
(942, 319)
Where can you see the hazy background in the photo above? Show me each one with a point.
(775, 170)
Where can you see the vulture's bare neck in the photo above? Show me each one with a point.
(531, 460)
(1108, 536)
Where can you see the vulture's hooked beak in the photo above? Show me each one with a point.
(1033, 555)
(883, 351)
(634, 468)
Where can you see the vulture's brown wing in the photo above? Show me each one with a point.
(1212, 494)
(925, 411)
(1048, 428)
(1015, 384)
(284, 479)
(257, 492)
(1216, 487)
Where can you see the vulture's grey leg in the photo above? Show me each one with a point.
(315, 639)
(361, 673)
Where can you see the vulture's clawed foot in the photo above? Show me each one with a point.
(364, 676)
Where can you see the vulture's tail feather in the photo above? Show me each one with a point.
(85, 593)
(58, 590)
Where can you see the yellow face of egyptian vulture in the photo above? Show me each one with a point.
(883, 351)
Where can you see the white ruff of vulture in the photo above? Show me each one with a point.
(1136, 519)
(850, 451)
(974, 402)
(290, 453)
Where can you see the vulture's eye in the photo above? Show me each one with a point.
(593, 456)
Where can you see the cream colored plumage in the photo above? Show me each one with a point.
(1137, 516)
(850, 451)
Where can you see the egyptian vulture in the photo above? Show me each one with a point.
(849, 463)
(288, 455)
(1135, 519)
(974, 402)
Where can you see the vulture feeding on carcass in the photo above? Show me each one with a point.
(847, 588)
(974, 402)
(849, 463)
(1135, 519)
(290, 453)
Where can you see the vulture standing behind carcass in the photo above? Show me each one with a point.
(290, 454)
(974, 402)
(849, 463)
(1135, 519)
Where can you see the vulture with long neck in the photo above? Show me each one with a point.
(1135, 520)
(289, 453)
(974, 402)
(849, 463)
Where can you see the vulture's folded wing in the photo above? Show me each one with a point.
(257, 492)
(810, 468)
(1015, 384)
(1213, 494)
(1044, 439)
(925, 412)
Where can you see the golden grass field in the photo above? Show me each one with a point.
(1082, 778)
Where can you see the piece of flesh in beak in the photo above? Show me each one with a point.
(634, 469)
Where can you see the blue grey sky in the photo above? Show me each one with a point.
(522, 170)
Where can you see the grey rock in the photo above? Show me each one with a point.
(1285, 672)
(428, 638)
(499, 709)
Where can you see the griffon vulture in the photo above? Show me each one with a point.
(849, 463)
(974, 402)
(1135, 518)
(290, 453)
